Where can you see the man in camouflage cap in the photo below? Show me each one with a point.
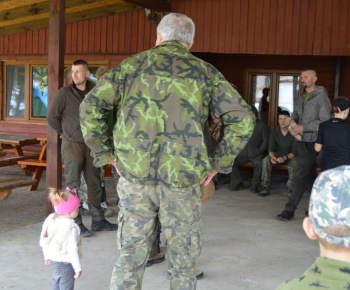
(329, 223)
(163, 98)
(101, 72)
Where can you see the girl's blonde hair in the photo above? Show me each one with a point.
(55, 195)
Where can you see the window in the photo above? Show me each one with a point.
(270, 91)
(26, 90)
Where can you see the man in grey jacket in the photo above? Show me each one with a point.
(63, 117)
(312, 108)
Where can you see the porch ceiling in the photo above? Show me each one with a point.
(23, 15)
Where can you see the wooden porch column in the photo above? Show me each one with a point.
(55, 74)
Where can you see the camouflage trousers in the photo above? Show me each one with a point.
(267, 168)
(179, 211)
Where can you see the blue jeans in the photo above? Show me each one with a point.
(62, 276)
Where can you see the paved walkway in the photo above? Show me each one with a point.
(245, 246)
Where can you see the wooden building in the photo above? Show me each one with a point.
(254, 43)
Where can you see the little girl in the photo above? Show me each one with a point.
(60, 239)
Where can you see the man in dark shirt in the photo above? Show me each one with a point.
(282, 151)
(63, 117)
(334, 136)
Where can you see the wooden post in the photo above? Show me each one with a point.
(55, 74)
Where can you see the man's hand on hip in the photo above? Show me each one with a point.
(114, 163)
(206, 179)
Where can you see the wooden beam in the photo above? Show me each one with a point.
(106, 4)
(10, 4)
(157, 5)
(25, 18)
(55, 75)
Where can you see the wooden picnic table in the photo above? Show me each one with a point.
(36, 165)
(16, 143)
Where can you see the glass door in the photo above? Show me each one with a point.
(270, 92)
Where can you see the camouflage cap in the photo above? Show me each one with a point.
(102, 70)
(330, 203)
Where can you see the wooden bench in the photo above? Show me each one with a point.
(7, 185)
(2, 153)
(36, 166)
(249, 166)
(13, 160)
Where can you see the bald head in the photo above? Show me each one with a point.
(308, 80)
(311, 71)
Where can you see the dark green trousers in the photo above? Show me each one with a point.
(76, 158)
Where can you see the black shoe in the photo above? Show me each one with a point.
(286, 215)
(264, 192)
(104, 225)
(199, 274)
(236, 186)
(255, 189)
(158, 258)
(84, 232)
(307, 213)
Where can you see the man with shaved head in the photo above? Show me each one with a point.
(312, 108)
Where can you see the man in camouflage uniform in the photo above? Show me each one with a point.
(282, 151)
(329, 223)
(163, 98)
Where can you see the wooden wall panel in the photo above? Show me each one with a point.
(84, 37)
(68, 38)
(310, 32)
(233, 66)
(317, 43)
(251, 25)
(280, 27)
(343, 30)
(256, 48)
(1, 46)
(6, 44)
(91, 34)
(134, 32)
(335, 27)
(228, 20)
(103, 34)
(273, 27)
(236, 35)
(74, 47)
(327, 29)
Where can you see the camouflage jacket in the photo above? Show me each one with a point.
(323, 274)
(163, 97)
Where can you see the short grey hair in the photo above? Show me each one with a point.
(176, 26)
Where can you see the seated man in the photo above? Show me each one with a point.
(329, 223)
(282, 151)
(253, 152)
